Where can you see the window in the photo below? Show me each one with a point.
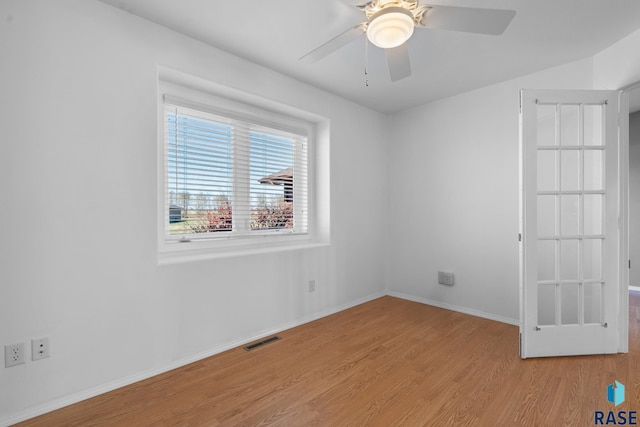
(232, 176)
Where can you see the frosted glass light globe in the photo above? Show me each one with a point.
(390, 27)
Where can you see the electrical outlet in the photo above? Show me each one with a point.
(312, 285)
(13, 355)
(39, 348)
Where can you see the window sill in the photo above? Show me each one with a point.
(169, 257)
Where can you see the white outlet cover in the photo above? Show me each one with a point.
(14, 355)
(39, 348)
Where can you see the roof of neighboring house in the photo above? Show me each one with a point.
(285, 176)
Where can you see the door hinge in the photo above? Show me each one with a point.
(629, 264)
(519, 237)
(520, 99)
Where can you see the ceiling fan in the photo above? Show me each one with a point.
(390, 23)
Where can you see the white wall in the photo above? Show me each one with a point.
(78, 220)
(454, 186)
(454, 194)
(618, 65)
(634, 198)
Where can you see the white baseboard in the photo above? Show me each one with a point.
(457, 308)
(113, 385)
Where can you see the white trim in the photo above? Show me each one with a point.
(630, 87)
(457, 308)
(123, 382)
(623, 140)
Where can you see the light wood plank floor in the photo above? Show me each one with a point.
(388, 362)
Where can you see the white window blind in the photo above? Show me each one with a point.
(230, 178)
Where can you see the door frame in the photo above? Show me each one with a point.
(623, 138)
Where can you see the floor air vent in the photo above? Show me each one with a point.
(261, 343)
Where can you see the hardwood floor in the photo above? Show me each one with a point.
(389, 362)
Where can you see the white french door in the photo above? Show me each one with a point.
(569, 188)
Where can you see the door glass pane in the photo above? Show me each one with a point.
(593, 171)
(570, 163)
(546, 260)
(592, 302)
(592, 214)
(593, 125)
(546, 304)
(546, 215)
(592, 264)
(569, 252)
(569, 125)
(569, 215)
(546, 125)
(570, 303)
(547, 170)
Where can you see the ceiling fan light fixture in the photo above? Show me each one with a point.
(390, 27)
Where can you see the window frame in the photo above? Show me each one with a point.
(226, 243)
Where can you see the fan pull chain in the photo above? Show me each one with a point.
(366, 61)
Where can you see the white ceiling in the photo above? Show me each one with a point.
(276, 33)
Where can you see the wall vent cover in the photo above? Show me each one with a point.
(261, 343)
(445, 278)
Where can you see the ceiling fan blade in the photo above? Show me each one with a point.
(467, 19)
(398, 61)
(335, 43)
